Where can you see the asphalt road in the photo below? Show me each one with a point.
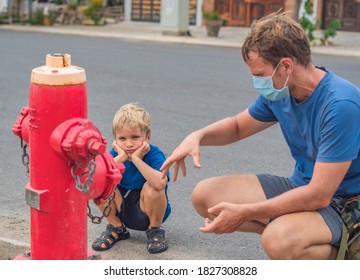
(183, 88)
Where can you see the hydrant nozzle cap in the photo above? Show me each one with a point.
(58, 60)
(58, 71)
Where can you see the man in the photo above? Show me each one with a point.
(319, 115)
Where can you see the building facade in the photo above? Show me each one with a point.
(243, 12)
(236, 12)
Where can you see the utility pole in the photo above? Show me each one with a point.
(30, 10)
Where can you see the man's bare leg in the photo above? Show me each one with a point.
(303, 235)
(234, 189)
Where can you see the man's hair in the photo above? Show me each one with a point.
(276, 36)
(133, 116)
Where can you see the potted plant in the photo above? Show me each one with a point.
(213, 22)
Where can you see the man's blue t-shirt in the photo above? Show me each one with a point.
(132, 179)
(323, 128)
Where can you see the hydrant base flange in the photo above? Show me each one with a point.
(26, 256)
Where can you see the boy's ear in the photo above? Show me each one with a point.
(148, 136)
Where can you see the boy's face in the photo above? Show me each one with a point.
(130, 139)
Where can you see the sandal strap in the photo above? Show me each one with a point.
(156, 240)
(100, 240)
(118, 230)
(155, 234)
(108, 239)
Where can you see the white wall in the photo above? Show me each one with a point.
(3, 5)
(127, 10)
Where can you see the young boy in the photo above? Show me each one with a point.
(140, 201)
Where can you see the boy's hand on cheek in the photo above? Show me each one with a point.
(142, 151)
(122, 155)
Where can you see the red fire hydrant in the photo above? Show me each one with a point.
(68, 162)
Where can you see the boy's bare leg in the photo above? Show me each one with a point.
(112, 219)
(303, 235)
(115, 207)
(153, 203)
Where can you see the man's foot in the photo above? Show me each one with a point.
(109, 237)
(156, 240)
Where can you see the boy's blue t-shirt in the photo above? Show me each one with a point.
(132, 179)
(323, 128)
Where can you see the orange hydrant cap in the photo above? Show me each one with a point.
(58, 71)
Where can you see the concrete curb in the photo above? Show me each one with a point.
(124, 35)
(154, 35)
(14, 242)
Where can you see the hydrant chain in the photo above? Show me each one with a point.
(106, 212)
(25, 156)
(88, 182)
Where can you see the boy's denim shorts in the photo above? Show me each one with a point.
(275, 185)
(130, 213)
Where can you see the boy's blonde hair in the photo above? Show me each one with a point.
(133, 116)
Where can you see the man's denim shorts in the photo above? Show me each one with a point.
(275, 185)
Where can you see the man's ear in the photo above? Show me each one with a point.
(288, 63)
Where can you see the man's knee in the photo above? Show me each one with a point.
(278, 244)
(199, 198)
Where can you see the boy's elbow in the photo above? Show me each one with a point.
(160, 185)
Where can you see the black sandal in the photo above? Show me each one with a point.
(109, 237)
(156, 240)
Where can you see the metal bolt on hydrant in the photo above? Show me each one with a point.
(66, 159)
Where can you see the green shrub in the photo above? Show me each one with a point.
(73, 4)
(91, 13)
(306, 24)
(212, 15)
(310, 27)
(37, 17)
(330, 31)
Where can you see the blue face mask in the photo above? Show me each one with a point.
(265, 87)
